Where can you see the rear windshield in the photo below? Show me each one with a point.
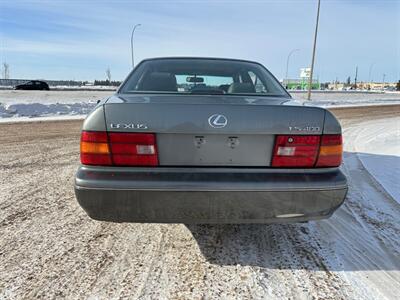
(202, 76)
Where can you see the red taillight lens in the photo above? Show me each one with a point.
(307, 151)
(118, 148)
(295, 150)
(331, 151)
(133, 149)
(95, 149)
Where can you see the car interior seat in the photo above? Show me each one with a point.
(159, 81)
(241, 87)
(224, 87)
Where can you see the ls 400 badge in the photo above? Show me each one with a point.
(128, 126)
(305, 128)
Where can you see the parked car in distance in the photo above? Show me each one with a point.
(33, 85)
(206, 140)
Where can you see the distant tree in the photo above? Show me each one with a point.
(398, 86)
(6, 71)
(108, 74)
(348, 80)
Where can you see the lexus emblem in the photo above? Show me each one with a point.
(217, 121)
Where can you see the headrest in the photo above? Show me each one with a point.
(159, 81)
(244, 88)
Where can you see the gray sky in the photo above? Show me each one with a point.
(80, 39)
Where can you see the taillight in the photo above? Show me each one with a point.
(118, 148)
(133, 149)
(94, 148)
(331, 151)
(295, 150)
(307, 151)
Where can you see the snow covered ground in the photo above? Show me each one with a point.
(352, 98)
(11, 97)
(50, 248)
(370, 216)
(378, 145)
(22, 105)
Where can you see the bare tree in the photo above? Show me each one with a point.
(6, 71)
(108, 74)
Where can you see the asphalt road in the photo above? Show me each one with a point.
(49, 248)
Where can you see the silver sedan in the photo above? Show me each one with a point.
(205, 140)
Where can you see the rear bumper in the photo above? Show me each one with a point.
(209, 195)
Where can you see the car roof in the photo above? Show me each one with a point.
(200, 58)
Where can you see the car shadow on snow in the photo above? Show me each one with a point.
(361, 235)
(271, 246)
(290, 247)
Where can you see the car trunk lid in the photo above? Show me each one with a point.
(212, 130)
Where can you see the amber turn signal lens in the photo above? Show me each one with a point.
(94, 148)
(331, 150)
(118, 148)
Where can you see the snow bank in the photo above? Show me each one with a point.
(32, 110)
(51, 97)
(350, 103)
(15, 105)
(386, 170)
(19, 105)
(378, 147)
(345, 99)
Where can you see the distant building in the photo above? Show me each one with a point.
(337, 86)
(300, 84)
(375, 85)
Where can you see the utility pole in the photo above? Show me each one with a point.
(133, 31)
(6, 71)
(355, 78)
(370, 71)
(383, 82)
(313, 53)
(287, 64)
